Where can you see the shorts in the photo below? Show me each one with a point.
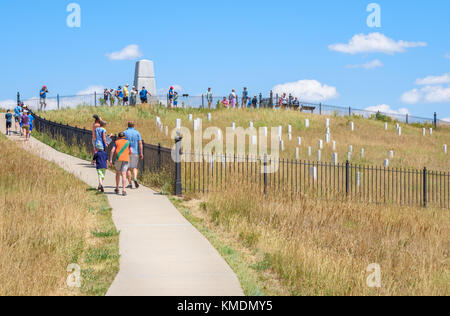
(43, 101)
(8, 124)
(134, 162)
(26, 127)
(121, 166)
(101, 173)
(17, 119)
(143, 100)
(125, 99)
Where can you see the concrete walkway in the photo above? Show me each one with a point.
(162, 254)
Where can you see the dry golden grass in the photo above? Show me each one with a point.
(412, 150)
(48, 220)
(324, 248)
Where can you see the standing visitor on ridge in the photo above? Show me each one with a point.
(244, 98)
(171, 97)
(133, 96)
(120, 154)
(119, 95)
(126, 95)
(135, 139)
(43, 98)
(143, 95)
(209, 98)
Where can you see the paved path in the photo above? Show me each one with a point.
(161, 252)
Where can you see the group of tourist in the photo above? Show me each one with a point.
(126, 152)
(23, 118)
(125, 96)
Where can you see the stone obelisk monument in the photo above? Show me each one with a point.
(145, 77)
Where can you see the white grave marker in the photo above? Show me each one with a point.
(445, 149)
(334, 158)
(178, 123)
(399, 131)
(209, 117)
(251, 125)
(309, 151)
(350, 148)
(282, 145)
(358, 179)
(265, 131)
(385, 126)
(290, 137)
(297, 153)
(299, 141)
(333, 145)
(363, 152)
(290, 129)
(319, 155)
(349, 156)
(327, 138)
(190, 117)
(391, 154)
(352, 126)
(327, 123)
(313, 173)
(254, 140)
(386, 163)
(431, 131)
(307, 123)
(424, 132)
(320, 144)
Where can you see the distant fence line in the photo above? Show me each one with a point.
(202, 173)
(188, 101)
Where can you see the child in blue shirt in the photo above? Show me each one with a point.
(101, 161)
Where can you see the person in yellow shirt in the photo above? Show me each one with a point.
(126, 94)
(121, 152)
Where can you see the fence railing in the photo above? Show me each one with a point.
(156, 158)
(188, 101)
(203, 173)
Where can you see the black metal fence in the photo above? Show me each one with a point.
(212, 173)
(156, 158)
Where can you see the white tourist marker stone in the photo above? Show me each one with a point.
(386, 163)
(327, 123)
(313, 173)
(319, 155)
(328, 130)
(320, 144)
(424, 132)
(290, 129)
(445, 148)
(209, 117)
(297, 153)
(327, 138)
(391, 154)
(385, 126)
(254, 140)
(363, 152)
(397, 126)
(309, 151)
(333, 145)
(399, 131)
(178, 123)
(431, 131)
(299, 141)
(352, 126)
(334, 158)
(307, 123)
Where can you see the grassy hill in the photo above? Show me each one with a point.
(411, 150)
(48, 220)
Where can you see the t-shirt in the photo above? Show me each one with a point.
(8, 117)
(134, 137)
(99, 132)
(209, 96)
(101, 159)
(120, 93)
(126, 94)
(125, 154)
(143, 94)
(25, 120)
(245, 94)
(31, 119)
(43, 93)
(171, 94)
(17, 111)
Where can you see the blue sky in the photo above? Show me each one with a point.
(231, 44)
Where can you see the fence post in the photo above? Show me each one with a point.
(407, 119)
(143, 160)
(178, 184)
(18, 97)
(347, 177)
(271, 99)
(320, 108)
(435, 120)
(57, 100)
(260, 100)
(159, 156)
(265, 174)
(95, 98)
(425, 189)
(349, 111)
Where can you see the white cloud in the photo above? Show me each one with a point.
(92, 90)
(433, 80)
(374, 43)
(308, 90)
(446, 119)
(447, 55)
(369, 65)
(428, 94)
(130, 52)
(386, 109)
(8, 104)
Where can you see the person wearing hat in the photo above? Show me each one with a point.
(101, 161)
(43, 98)
(96, 125)
(26, 124)
(171, 97)
(120, 154)
(133, 96)
(126, 94)
(119, 95)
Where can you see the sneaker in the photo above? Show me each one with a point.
(102, 189)
(136, 184)
(129, 186)
(116, 191)
(124, 193)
